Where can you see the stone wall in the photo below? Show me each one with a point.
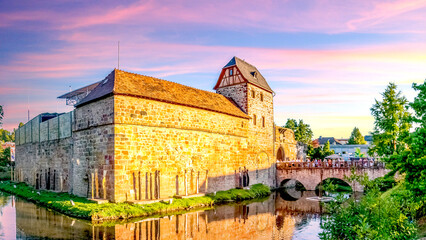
(43, 155)
(154, 136)
(44, 165)
(93, 149)
(238, 93)
(284, 140)
(128, 148)
(260, 153)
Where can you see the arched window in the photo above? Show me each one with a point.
(263, 121)
(253, 94)
(261, 97)
(254, 119)
(231, 72)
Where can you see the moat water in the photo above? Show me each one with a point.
(284, 215)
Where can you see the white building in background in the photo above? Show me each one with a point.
(347, 151)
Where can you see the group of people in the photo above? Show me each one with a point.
(340, 162)
(243, 178)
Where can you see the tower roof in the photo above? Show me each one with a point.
(119, 82)
(250, 73)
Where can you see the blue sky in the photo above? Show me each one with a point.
(326, 60)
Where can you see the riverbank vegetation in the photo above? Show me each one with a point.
(79, 207)
(385, 213)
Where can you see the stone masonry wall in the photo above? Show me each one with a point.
(154, 136)
(44, 165)
(287, 142)
(93, 149)
(260, 152)
(238, 93)
(43, 154)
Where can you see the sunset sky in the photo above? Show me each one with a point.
(326, 60)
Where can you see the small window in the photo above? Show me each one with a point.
(263, 121)
(254, 119)
(231, 72)
(253, 95)
(261, 97)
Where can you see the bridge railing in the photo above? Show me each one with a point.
(360, 164)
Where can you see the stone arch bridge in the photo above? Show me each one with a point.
(311, 174)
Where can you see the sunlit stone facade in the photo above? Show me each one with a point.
(137, 138)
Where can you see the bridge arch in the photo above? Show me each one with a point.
(336, 181)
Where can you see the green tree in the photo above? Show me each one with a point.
(356, 137)
(326, 150)
(320, 152)
(292, 124)
(4, 156)
(358, 153)
(302, 131)
(412, 161)
(21, 124)
(5, 136)
(391, 123)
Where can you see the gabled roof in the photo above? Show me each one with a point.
(250, 73)
(119, 82)
(332, 140)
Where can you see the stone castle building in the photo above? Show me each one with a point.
(134, 137)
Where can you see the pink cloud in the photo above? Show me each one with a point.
(383, 11)
(285, 16)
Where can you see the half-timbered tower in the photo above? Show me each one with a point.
(244, 84)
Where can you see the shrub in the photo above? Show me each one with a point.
(375, 216)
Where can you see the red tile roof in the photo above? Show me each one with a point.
(119, 82)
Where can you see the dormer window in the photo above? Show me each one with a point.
(254, 74)
(231, 72)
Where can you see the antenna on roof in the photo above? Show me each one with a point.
(118, 60)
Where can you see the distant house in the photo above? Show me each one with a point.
(11, 145)
(340, 146)
(348, 151)
(319, 142)
(368, 139)
(8, 144)
(343, 141)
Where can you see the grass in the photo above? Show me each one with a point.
(86, 209)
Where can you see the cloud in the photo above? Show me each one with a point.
(384, 11)
(272, 16)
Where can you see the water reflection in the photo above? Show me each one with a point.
(274, 218)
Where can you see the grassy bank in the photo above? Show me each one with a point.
(85, 209)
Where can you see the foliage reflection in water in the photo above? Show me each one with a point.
(274, 218)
